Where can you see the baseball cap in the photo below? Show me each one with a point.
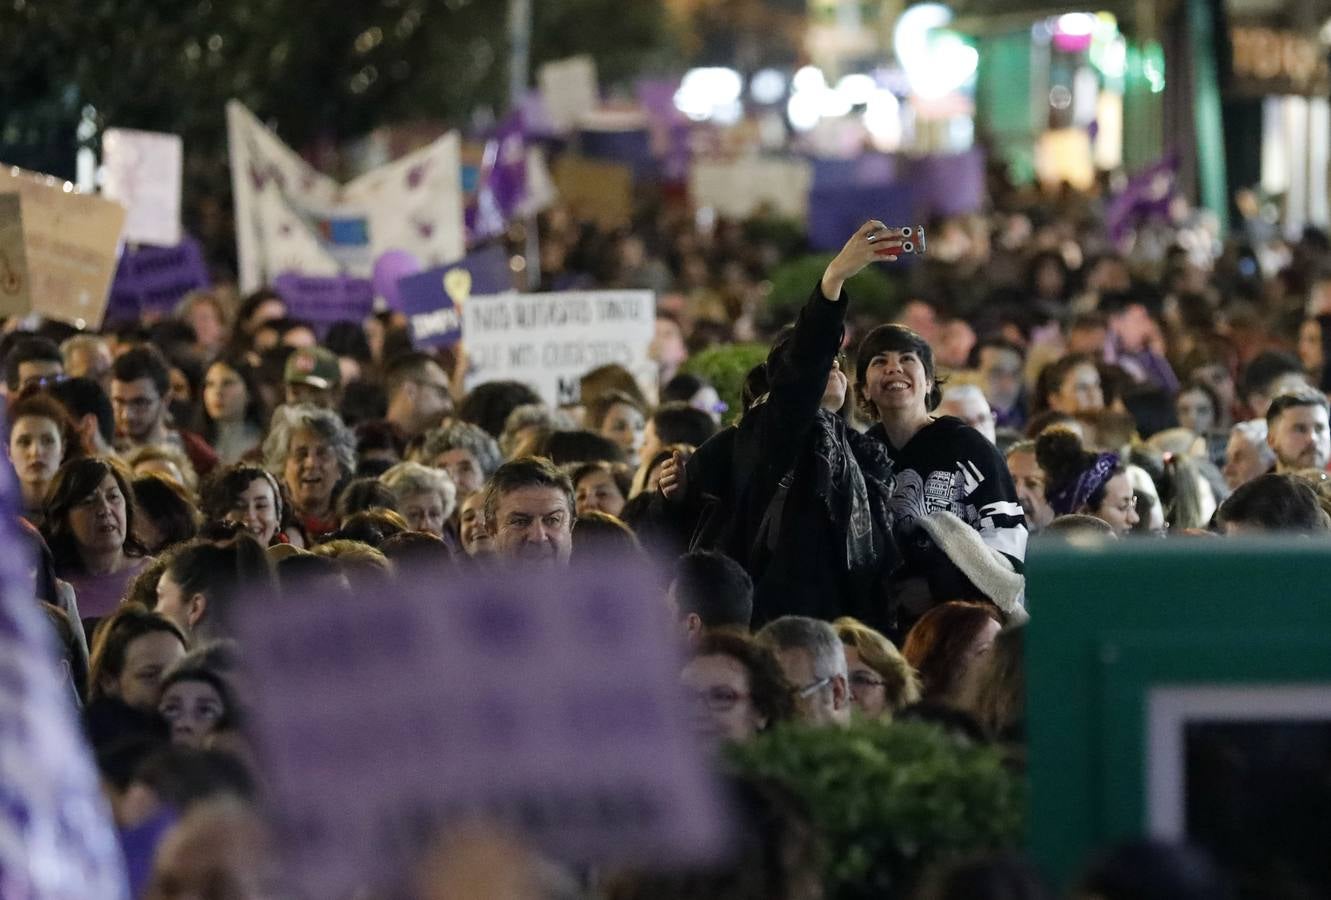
(314, 366)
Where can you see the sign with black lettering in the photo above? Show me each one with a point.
(550, 340)
(542, 702)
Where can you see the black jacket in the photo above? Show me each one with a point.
(792, 493)
(950, 466)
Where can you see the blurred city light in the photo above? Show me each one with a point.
(767, 86)
(937, 62)
(708, 93)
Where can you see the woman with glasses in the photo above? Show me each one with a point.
(735, 688)
(881, 681)
(1086, 483)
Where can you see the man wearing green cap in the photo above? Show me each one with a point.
(313, 375)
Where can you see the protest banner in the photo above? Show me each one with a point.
(596, 190)
(739, 188)
(292, 219)
(324, 300)
(150, 280)
(15, 299)
(433, 301)
(57, 838)
(550, 340)
(70, 242)
(501, 181)
(143, 171)
(543, 702)
(568, 91)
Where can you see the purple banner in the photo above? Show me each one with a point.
(950, 185)
(633, 147)
(149, 281)
(835, 212)
(1147, 195)
(323, 301)
(433, 300)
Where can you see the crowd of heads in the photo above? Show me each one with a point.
(167, 468)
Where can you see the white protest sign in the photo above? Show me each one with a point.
(543, 701)
(738, 188)
(550, 340)
(568, 90)
(143, 171)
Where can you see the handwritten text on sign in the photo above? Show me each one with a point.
(550, 340)
(545, 702)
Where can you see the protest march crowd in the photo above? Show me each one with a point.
(845, 539)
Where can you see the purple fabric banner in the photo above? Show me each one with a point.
(149, 280)
(632, 147)
(433, 300)
(950, 185)
(835, 212)
(323, 301)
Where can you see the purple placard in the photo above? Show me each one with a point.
(835, 212)
(950, 185)
(149, 281)
(541, 699)
(632, 146)
(321, 301)
(433, 312)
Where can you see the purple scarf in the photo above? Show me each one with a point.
(1075, 494)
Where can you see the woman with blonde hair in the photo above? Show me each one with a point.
(881, 681)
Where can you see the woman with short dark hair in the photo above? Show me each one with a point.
(736, 687)
(89, 524)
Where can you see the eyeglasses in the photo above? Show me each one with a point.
(44, 381)
(864, 681)
(1128, 505)
(803, 693)
(716, 699)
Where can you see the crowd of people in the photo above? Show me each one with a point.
(850, 543)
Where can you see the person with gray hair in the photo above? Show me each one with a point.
(812, 658)
(465, 451)
(312, 452)
(968, 403)
(426, 497)
(529, 418)
(89, 356)
(1248, 453)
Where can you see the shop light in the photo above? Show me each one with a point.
(937, 62)
(856, 89)
(802, 109)
(882, 119)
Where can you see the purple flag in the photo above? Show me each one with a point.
(501, 182)
(433, 300)
(1147, 195)
(149, 280)
(321, 301)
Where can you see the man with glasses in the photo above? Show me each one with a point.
(140, 388)
(813, 661)
(419, 395)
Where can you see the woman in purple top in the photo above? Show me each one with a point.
(89, 525)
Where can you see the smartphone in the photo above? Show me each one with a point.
(912, 239)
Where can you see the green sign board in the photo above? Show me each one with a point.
(1146, 663)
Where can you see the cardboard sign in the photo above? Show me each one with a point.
(151, 280)
(14, 297)
(57, 839)
(70, 241)
(545, 701)
(596, 191)
(550, 340)
(739, 188)
(321, 301)
(143, 171)
(434, 300)
(569, 91)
